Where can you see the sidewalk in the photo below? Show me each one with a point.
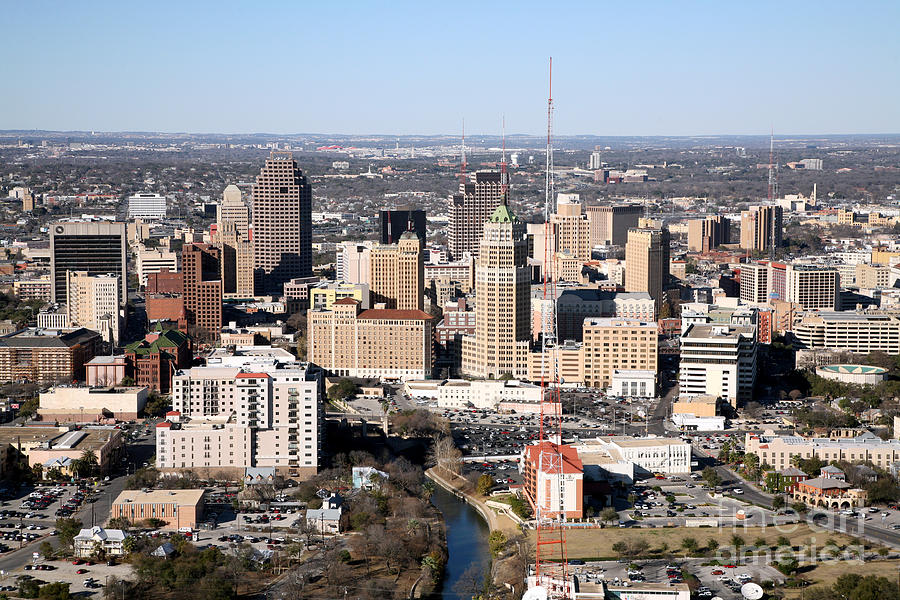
(494, 520)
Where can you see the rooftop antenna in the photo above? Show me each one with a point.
(772, 192)
(504, 175)
(462, 157)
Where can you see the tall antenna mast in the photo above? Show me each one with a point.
(462, 157)
(549, 201)
(551, 557)
(772, 193)
(504, 175)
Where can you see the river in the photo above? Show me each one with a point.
(467, 535)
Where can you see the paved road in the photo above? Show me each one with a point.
(96, 512)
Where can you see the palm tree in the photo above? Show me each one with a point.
(85, 465)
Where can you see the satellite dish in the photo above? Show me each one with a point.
(751, 591)
(538, 592)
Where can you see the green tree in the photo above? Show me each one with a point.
(497, 542)
(484, 485)
(711, 477)
(609, 514)
(620, 548)
(689, 544)
(737, 541)
(66, 530)
(788, 566)
(342, 390)
(783, 541)
(778, 502)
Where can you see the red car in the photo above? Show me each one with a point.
(730, 567)
(718, 572)
(77, 562)
(81, 571)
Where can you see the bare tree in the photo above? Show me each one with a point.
(445, 455)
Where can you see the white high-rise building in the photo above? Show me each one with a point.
(596, 162)
(718, 360)
(277, 408)
(146, 206)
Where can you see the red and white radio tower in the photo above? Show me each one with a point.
(551, 560)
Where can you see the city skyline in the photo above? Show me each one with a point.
(672, 70)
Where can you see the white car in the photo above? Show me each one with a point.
(738, 491)
(744, 577)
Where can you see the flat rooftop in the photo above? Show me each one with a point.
(160, 496)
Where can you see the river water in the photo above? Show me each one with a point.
(467, 535)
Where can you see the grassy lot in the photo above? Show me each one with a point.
(595, 543)
(827, 574)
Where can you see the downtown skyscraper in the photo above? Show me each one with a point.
(502, 336)
(471, 208)
(282, 224)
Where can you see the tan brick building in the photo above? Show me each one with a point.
(386, 343)
(397, 273)
(47, 357)
(178, 508)
(612, 343)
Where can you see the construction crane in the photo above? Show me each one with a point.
(550, 579)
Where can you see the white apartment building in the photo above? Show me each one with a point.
(146, 206)
(154, 261)
(485, 394)
(278, 405)
(215, 443)
(669, 456)
(718, 360)
(849, 332)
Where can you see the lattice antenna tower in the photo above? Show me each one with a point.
(551, 560)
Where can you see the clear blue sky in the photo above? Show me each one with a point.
(620, 68)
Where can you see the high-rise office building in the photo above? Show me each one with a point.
(760, 226)
(200, 264)
(394, 223)
(596, 161)
(353, 262)
(647, 262)
(755, 283)
(812, 287)
(153, 261)
(232, 208)
(708, 234)
(570, 228)
(233, 239)
(610, 224)
(503, 305)
(397, 273)
(471, 208)
(95, 247)
(93, 303)
(282, 224)
(146, 206)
